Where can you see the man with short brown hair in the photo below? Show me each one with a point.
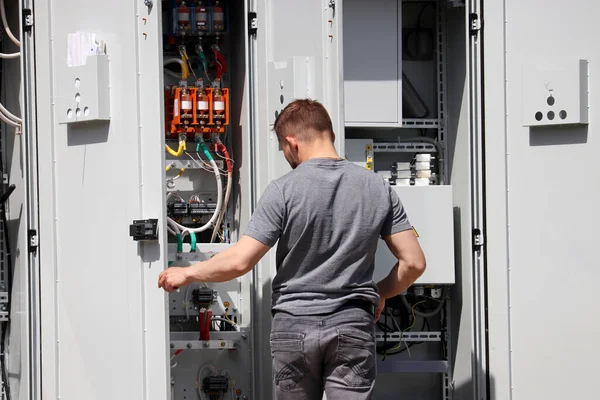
(327, 215)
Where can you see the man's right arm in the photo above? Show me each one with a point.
(410, 266)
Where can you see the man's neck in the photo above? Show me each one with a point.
(323, 149)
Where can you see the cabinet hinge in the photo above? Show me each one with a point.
(252, 23)
(475, 24)
(33, 240)
(27, 20)
(478, 239)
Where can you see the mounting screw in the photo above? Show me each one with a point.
(244, 336)
(172, 345)
(206, 344)
(149, 3)
(3, 308)
(189, 345)
(223, 344)
(235, 345)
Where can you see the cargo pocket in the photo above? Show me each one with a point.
(356, 357)
(289, 363)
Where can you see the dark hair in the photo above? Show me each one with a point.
(303, 119)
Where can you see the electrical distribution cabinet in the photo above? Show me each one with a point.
(98, 204)
(160, 145)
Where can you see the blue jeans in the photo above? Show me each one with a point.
(334, 353)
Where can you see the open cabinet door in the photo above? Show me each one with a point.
(299, 56)
(101, 166)
(475, 88)
(295, 52)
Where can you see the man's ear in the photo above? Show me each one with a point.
(293, 142)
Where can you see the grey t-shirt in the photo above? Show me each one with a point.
(328, 215)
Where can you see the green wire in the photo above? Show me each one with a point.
(206, 152)
(179, 243)
(193, 239)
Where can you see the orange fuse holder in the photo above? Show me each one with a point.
(183, 116)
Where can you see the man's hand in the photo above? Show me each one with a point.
(379, 309)
(173, 279)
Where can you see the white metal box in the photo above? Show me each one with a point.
(84, 91)
(372, 62)
(555, 94)
(430, 211)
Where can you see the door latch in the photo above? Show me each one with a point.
(144, 230)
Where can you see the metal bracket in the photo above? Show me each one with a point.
(410, 336)
(33, 240)
(27, 20)
(475, 24)
(478, 239)
(252, 23)
(204, 345)
(3, 306)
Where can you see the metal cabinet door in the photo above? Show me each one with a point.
(104, 321)
(295, 53)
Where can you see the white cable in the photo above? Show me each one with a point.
(10, 115)
(172, 61)
(173, 74)
(222, 213)
(173, 226)
(10, 55)
(9, 121)
(235, 326)
(5, 23)
(217, 209)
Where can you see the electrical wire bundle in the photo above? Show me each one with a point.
(5, 115)
(421, 306)
(16, 122)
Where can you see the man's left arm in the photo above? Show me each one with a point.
(225, 266)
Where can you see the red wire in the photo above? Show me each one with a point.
(220, 63)
(223, 149)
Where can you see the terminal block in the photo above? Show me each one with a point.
(179, 209)
(202, 208)
(215, 385)
(203, 297)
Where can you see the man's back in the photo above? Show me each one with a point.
(330, 214)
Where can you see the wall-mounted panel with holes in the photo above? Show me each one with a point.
(555, 94)
(84, 92)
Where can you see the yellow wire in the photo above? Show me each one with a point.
(185, 70)
(179, 151)
(229, 319)
(407, 329)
